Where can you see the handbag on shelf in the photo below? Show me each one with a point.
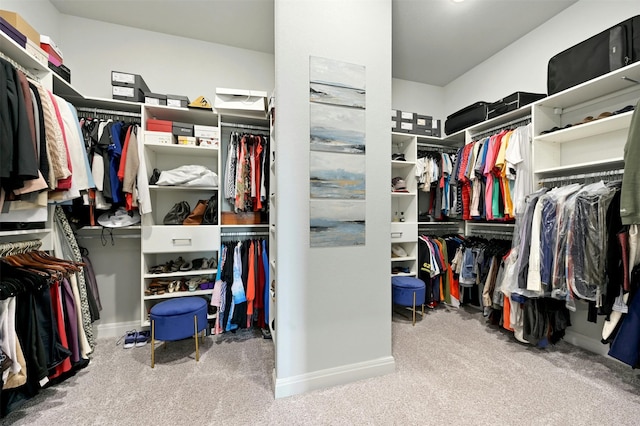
(178, 213)
(211, 213)
(195, 217)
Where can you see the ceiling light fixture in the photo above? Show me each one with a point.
(457, 1)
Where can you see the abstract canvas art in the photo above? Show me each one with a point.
(336, 82)
(337, 153)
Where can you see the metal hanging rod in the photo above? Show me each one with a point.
(489, 232)
(245, 234)
(109, 112)
(245, 126)
(18, 247)
(581, 176)
(439, 148)
(488, 132)
(26, 71)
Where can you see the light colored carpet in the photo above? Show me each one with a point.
(452, 368)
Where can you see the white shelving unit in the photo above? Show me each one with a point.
(404, 205)
(164, 243)
(582, 146)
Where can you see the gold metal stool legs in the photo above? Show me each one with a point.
(195, 336)
(153, 344)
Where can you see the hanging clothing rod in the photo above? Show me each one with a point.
(245, 126)
(439, 148)
(488, 232)
(109, 112)
(245, 234)
(18, 247)
(608, 173)
(26, 71)
(488, 132)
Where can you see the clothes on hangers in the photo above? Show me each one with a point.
(41, 149)
(433, 172)
(492, 175)
(246, 171)
(241, 284)
(38, 324)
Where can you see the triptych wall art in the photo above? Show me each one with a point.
(337, 157)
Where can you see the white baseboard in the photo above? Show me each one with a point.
(588, 343)
(289, 386)
(115, 329)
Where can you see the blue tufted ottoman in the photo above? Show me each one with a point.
(177, 319)
(408, 291)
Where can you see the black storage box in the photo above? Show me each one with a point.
(473, 114)
(182, 129)
(177, 101)
(127, 93)
(155, 98)
(607, 51)
(119, 78)
(62, 71)
(512, 102)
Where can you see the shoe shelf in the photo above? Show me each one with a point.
(174, 294)
(193, 272)
(593, 128)
(182, 188)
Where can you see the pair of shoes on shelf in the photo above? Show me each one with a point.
(174, 286)
(207, 285)
(135, 338)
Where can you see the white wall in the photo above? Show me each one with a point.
(333, 321)
(522, 66)
(168, 64)
(421, 98)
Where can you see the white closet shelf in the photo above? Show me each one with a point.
(17, 53)
(403, 194)
(453, 140)
(403, 274)
(176, 294)
(25, 232)
(182, 188)
(64, 89)
(106, 103)
(175, 149)
(403, 259)
(184, 115)
(193, 272)
(588, 165)
(600, 86)
(593, 128)
(402, 164)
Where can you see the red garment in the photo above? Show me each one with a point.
(123, 157)
(257, 173)
(56, 307)
(251, 282)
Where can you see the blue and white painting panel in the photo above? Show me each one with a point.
(337, 223)
(337, 176)
(337, 129)
(336, 82)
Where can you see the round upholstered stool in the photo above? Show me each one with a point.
(410, 292)
(177, 319)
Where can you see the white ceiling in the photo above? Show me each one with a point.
(434, 41)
